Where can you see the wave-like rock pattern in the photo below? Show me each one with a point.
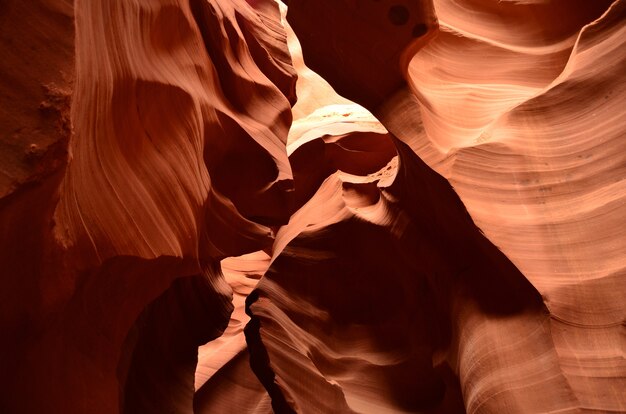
(531, 136)
(147, 142)
(178, 98)
(224, 380)
(537, 155)
(177, 158)
(429, 294)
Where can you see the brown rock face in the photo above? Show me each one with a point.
(116, 217)
(178, 234)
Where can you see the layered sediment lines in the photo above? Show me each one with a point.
(533, 140)
(172, 157)
(171, 242)
(161, 121)
(527, 125)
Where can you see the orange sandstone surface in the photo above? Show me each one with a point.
(312, 206)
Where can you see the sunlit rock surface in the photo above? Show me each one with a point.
(186, 228)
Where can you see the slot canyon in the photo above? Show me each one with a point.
(312, 206)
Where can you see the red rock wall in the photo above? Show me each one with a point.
(178, 234)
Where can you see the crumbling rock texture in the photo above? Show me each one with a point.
(363, 206)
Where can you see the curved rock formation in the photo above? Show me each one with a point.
(540, 166)
(176, 139)
(170, 242)
(427, 293)
(489, 131)
(177, 120)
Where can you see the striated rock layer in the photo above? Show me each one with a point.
(531, 137)
(114, 220)
(172, 243)
(540, 165)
